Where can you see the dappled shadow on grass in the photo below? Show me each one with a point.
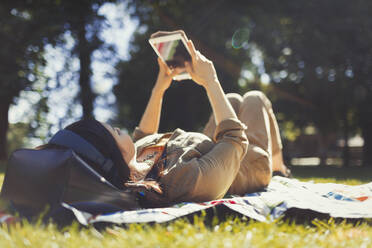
(362, 174)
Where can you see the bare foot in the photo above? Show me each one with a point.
(279, 168)
(284, 172)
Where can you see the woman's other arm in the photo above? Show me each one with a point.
(203, 72)
(149, 123)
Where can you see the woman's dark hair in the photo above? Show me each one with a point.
(97, 135)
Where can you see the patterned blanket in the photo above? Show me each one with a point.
(283, 194)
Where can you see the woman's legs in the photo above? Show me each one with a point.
(276, 141)
(265, 147)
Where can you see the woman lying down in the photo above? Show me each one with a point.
(236, 154)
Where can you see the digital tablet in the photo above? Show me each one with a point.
(173, 50)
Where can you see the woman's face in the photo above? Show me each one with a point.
(124, 141)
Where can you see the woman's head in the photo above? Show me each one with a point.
(110, 143)
(124, 142)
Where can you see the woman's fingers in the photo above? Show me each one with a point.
(188, 68)
(163, 66)
(176, 71)
(170, 72)
(192, 49)
(202, 57)
(195, 54)
(160, 62)
(157, 34)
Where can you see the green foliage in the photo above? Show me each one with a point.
(83, 22)
(26, 28)
(316, 53)
(17, 134)
(290, 131)
(23, 36)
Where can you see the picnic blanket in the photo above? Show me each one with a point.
(282, 195)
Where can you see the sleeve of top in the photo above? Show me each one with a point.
(138, 134)
(210, 176)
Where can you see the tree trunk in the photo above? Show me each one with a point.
(84, 51)
(4, 126)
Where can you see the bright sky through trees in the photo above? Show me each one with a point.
(119, 33)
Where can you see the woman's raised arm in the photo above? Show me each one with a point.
(203, 73)
(149, 123)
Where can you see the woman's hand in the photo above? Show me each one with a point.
(200, 68)
(165, 76)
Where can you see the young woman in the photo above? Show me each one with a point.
(236, 154)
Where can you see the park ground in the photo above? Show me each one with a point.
(202, 231)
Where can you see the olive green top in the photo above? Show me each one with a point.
(198, 168)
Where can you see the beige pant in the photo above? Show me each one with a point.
(254, 110)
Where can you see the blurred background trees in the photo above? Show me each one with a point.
(313, 59)
(26, 29)
(23, 35)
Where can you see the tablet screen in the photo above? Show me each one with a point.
(173, 52)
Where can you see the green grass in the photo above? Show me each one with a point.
(233, 232)
(203, 232)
